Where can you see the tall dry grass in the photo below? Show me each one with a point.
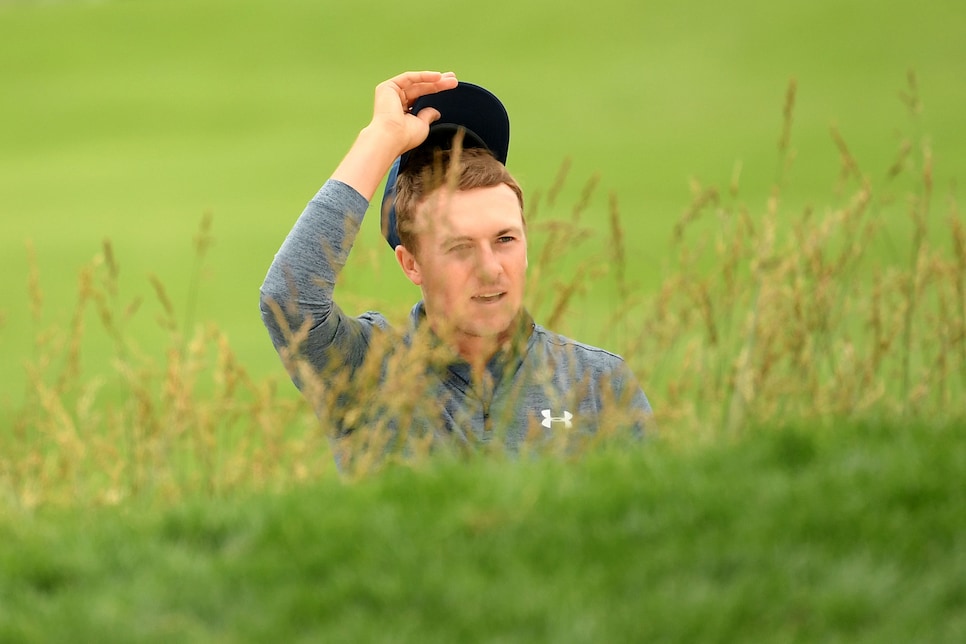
(161, 423)
(781, 314)
(763, 316)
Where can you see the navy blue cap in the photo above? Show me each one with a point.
(466, 107)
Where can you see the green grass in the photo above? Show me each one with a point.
(847, 533)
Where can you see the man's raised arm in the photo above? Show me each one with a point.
(296, 296)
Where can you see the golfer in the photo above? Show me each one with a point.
(471, 368)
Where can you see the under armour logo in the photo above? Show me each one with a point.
(549, 420)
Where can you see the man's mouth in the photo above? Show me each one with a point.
(486, 298)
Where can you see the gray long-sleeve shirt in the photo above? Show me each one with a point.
(368, 381)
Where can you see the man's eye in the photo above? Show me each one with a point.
(505, 239)
(459, 248)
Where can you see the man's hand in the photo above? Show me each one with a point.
(394, 129)
(393, 101)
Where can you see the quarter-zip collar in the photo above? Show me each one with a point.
(454, 369)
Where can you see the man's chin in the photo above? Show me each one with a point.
(497, 327)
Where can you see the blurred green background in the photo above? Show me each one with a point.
(130, 120)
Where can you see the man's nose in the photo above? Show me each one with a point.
(489, 266)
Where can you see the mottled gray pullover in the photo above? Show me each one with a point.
(362, 377)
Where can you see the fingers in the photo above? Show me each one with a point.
(392, 115)
(409, 86)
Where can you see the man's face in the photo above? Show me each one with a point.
(471, 261)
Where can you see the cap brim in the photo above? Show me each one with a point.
(466, 107)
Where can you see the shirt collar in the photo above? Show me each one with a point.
(505, 361)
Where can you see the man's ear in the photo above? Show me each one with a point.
(407, 261)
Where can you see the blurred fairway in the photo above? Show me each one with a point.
(130, 120)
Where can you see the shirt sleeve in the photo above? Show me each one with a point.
(307, 328)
